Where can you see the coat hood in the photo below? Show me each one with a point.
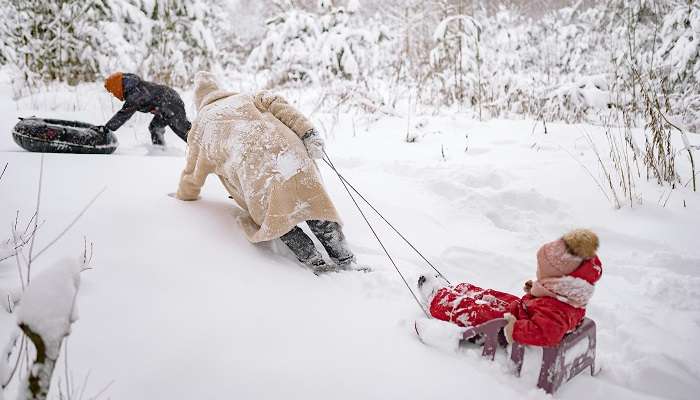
(576, 288)
(130, 81)
(207, 89)
(114, 84)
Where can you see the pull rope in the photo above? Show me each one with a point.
(345, 181)
(330, 164)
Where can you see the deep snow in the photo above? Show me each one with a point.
(181, 306)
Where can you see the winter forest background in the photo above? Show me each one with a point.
(558, 61)
(483, 127)
(624, 62)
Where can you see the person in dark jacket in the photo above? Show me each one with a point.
(147, 97)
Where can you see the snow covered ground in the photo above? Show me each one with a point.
(181, 306)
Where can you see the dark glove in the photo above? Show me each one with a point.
(102, 129)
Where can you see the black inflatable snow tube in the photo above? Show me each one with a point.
(59, 136)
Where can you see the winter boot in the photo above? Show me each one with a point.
(157, 129)
(157, 137)
(428, 285)
(333, 240)
(303, 248)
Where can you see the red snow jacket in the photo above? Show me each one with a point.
(541, 321)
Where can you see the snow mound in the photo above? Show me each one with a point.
(48, 304)
(440, 334)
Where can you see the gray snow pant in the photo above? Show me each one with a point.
(331, 237)
(176, 121)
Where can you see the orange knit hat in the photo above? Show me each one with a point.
(115, 85)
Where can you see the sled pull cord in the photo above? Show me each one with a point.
(345, 185)
(346, 182)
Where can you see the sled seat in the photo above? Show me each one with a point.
(553, 369)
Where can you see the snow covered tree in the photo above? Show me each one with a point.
(287, 49)
(77, 41)
(57, 40)
(180, 42)
(301, 45)
(679, 56)
(129, 34)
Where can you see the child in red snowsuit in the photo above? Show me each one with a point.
(554, 305)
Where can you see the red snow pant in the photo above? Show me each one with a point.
(469, 305)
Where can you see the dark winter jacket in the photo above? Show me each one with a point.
(147, 97)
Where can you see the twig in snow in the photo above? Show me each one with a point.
(36, 212)
(87, 256)
(101, 392)
(65, 367)
(15, 368)
(84, 385)
(605, 171)
(589, 173)
(3, 171)
(60, 235)
(10, 304)
(18, 240)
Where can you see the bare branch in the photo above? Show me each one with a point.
(15, 368)
(60, 235)
(36, 212)
(3, 171)
(101, 392)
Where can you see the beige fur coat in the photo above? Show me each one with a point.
(252, 143)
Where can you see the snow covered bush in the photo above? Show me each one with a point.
(319, 47)
(74, 41)
(55, 41)
(180, 41)
(45, 315)
(47, 311)
(41, 306)
(511, 65)
(44, 310)
(654, 55)
(457, 61)
(288, 47)
(576, 101)
(128, 33)
(679, 56)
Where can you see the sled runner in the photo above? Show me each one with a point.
(555, 369)
(59, 136)
(332, 268)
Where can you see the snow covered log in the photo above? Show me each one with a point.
(46, 313)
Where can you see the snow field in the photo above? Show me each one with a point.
(180, 305)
